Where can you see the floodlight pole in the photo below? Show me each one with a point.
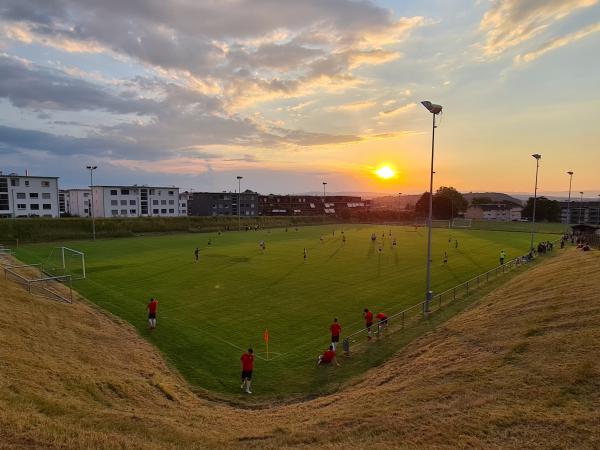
(580, 206)
(537, 166)
(569, 202)
(434, 110)
(91, 169)
(239, 202)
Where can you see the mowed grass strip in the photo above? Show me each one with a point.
(210, 311)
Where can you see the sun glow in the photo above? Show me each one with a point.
(385, 172)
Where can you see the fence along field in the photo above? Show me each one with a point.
(212, 310)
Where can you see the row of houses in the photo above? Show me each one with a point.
(32, 196)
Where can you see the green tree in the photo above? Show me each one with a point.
(545, 210)
(448, 203)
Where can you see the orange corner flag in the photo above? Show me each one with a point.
(266, 335)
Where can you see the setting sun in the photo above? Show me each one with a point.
(385, 172)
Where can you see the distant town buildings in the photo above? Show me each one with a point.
(494, 211)
(222, 204)
(580, 212)
(308, 205)
(28, 196)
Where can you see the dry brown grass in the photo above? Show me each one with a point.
(519, 370)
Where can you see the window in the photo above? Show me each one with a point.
(33, 195)
(171, 211)
(114, 202)
(14, 181)
(86, 194)
(163, 211)
(151, 191)
(171, 202)
(123, 202)
(155, 211)
(20, 195)
(171, 192)
(86, 202)
(47, 206)
(46, 195)
(114, 212)
(21, 206)
(86, 211)
(26, 182)
(34, 206)
(163, 202)
(123, 212)
(124, 191)
(155, 202)
(45, 183)
(113, 192)
(132, 211)
(132, 202)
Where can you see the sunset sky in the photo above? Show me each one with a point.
(289, 94)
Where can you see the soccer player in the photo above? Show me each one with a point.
(305, 254)
(445, 258)
(335, 329)
(152, 306)
(382, 322)
(328, 357)
(368, 316)
(343, 238)
(261, 244)
(197, 254)
(456, 243)
(502, 256)
(394, 242)
(247, 361)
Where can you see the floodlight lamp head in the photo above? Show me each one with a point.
(570, 173)
(91, 167)
(537, 156)
(432, 107)
(239, 177)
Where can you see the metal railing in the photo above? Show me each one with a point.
(40, 286)
(398, 321)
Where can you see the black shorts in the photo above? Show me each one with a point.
(246, 374)
(151, 315)
(369, 324)
(335, 338)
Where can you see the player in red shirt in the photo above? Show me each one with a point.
(382, 322)
(328, 357)
(247, 361)
(368, 316)
(152, 306)
(335, 333)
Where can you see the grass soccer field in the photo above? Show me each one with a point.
(210, 311)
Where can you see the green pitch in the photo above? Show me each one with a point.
(210, 311)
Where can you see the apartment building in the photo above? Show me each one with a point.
(77, 202)
(309, 205)
(28, 196)
(136, 201)
(184, 198)
(223, 204)
(580, 212)
(496, 211)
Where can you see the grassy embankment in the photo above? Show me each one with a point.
(518, 370)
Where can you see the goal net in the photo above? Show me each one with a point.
(65, 261)
(459, 222)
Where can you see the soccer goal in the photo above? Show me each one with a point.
(459, 222)
(65, 261)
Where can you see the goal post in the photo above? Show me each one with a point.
(459, 222)
(66, 261)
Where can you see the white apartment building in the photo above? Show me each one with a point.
(28, 196)
(183, 203)
(498, 212)
(135, 201)
(77, 202)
